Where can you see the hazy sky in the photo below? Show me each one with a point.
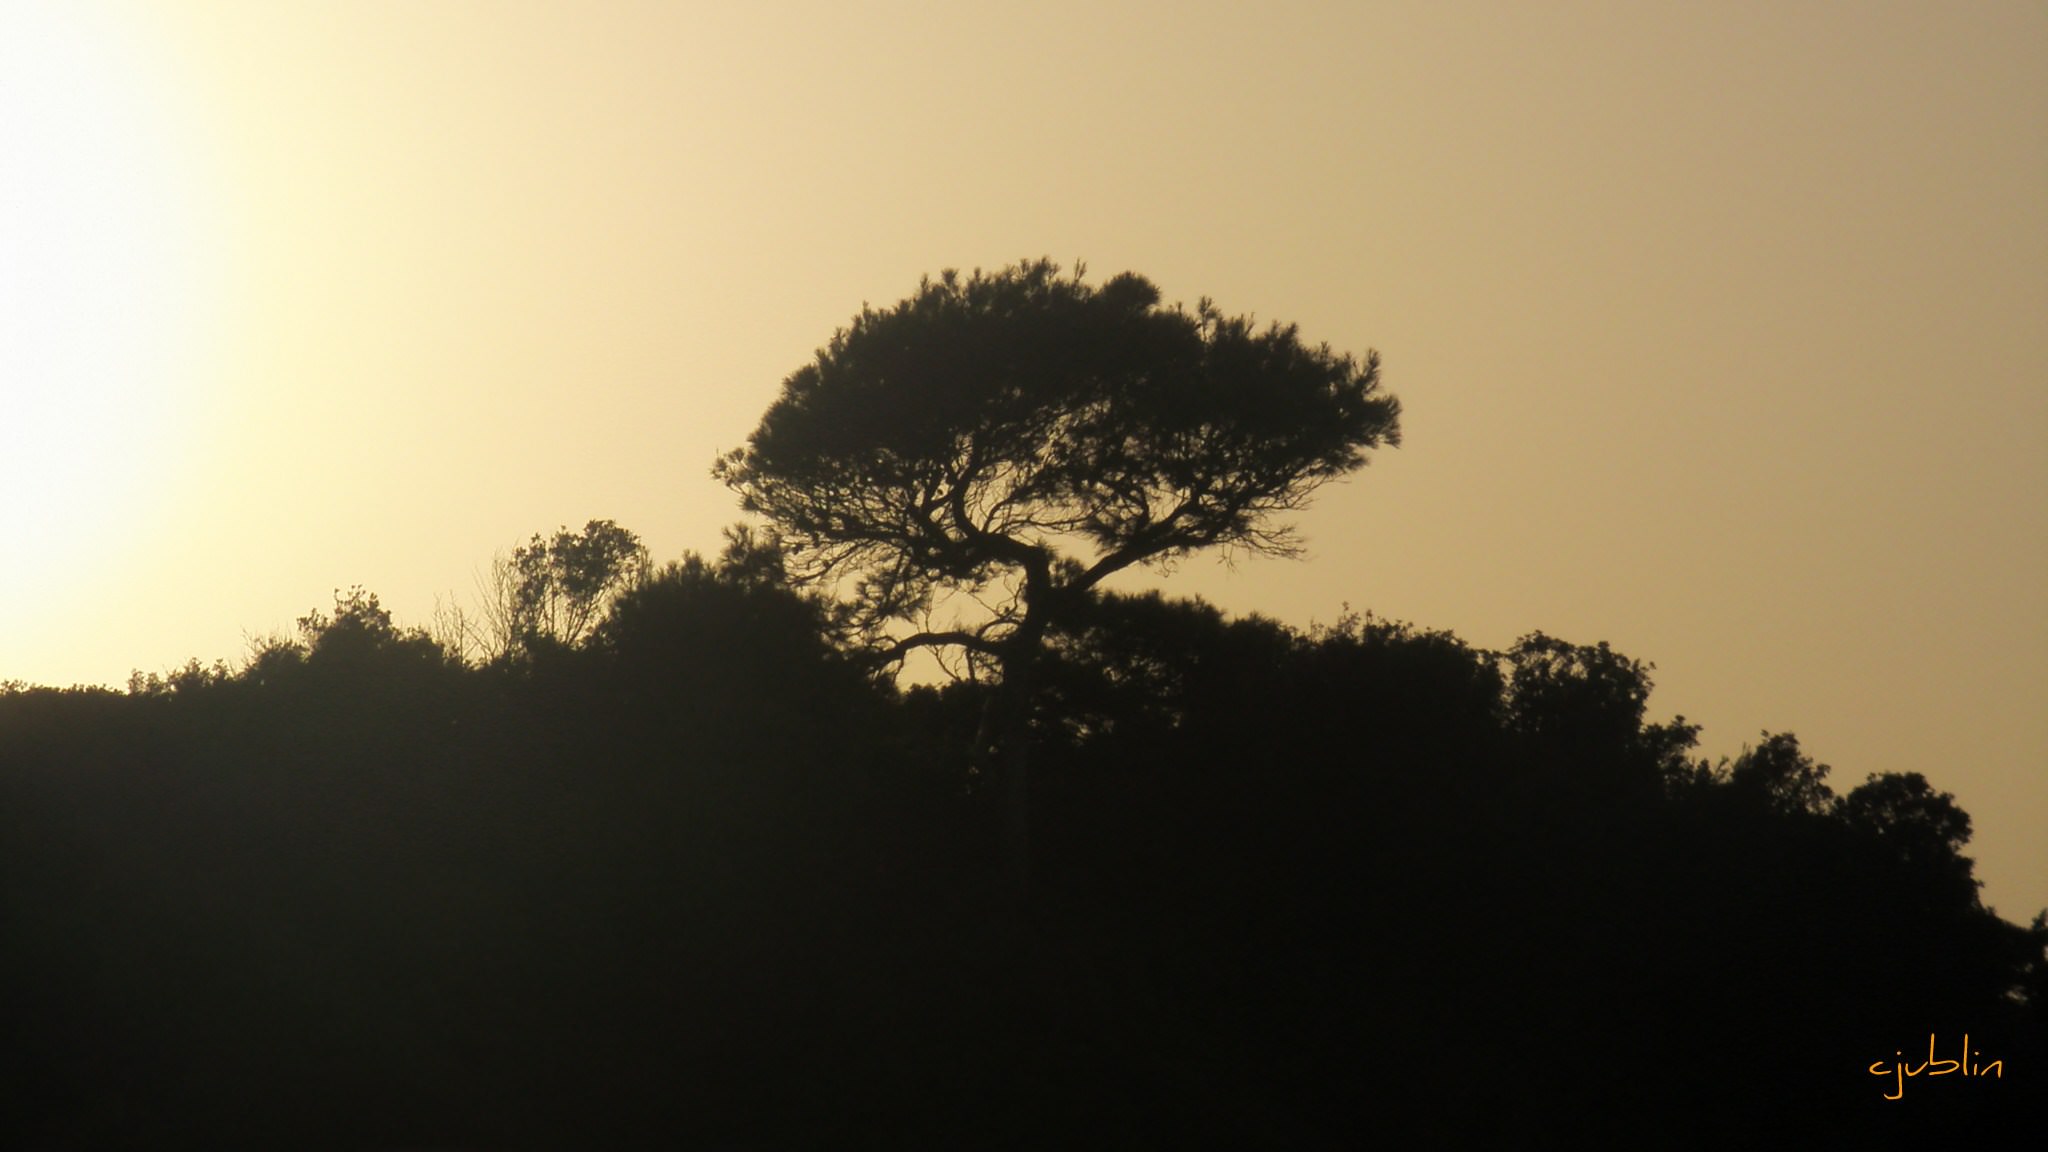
(1721, 329)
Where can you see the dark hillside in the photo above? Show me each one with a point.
(697, 880)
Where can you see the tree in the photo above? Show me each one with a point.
(1139, 668)
(1917, 825)
(358, 637)
(1578, 709)
(1019, 436)
(720, 637)
(1781, 777)
(552, 593)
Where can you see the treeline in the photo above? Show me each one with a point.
(670, 866)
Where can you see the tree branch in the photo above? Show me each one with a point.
(970, 640)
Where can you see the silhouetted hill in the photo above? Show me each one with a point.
(700, 881)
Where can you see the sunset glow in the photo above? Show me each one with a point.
(101, 283)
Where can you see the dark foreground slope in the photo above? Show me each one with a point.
(701, 886)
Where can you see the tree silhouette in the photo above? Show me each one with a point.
(1577, 711)
(552, 592)
(1919, 827)
(725, 636)
(1019, 436)
(1782, 777)
(1141, 667)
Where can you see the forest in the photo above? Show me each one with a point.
(636, 854)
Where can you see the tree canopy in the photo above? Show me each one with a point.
(1021, 435)
(552, 593)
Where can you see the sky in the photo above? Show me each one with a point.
(1721, 331)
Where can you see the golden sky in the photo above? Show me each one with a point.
(1721, 330)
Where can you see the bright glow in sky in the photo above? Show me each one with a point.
(101, 264)
(1721, 330)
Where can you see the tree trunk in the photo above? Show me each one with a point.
(1015, 752)
(1013, 755)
